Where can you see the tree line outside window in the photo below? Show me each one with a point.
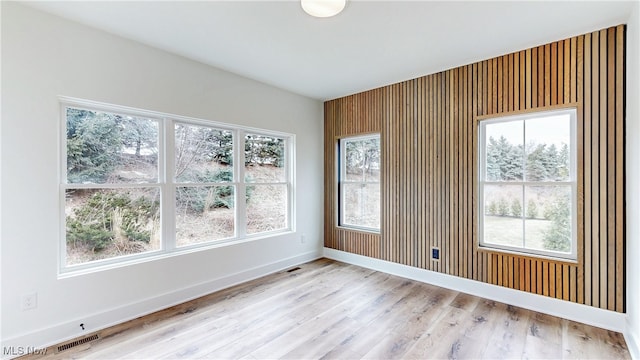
(527, 183)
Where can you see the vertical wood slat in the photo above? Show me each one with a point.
(611, 163)
(428, 133)
(619, 176)
(595, 166)
(577, 96)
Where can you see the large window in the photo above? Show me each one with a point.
(138, 183)
(527, 183)
(359, 182)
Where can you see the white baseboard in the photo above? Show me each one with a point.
(632, 337)
(606, 319)
(56, 334)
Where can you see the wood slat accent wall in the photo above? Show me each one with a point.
(428, 130)
(350, 115)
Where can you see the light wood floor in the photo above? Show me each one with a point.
(331, 310)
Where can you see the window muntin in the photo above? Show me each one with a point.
(359, 182)
(136, 184)
(527, 183)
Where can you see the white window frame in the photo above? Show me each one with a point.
(167, 185)
(341, 151)
(572, 182)
(243, 184)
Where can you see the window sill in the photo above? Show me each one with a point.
(529, 256)
(358, 230)
(135, 259)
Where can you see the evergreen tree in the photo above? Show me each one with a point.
(492, 209)
(537, 163)
(93, 148)
(138, 133)
(558, 236)
(221, 147)
(504, 160)
(516, 208)
(493, 160)
(532, 209)
(551, 162)
(264, 150)
(563, 162)
(547, 213)
(503, 207)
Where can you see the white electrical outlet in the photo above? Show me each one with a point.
(29, 301)
(302, 239)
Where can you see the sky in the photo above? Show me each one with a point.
(544, 129)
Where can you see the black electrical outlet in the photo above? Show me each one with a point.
(435, 253)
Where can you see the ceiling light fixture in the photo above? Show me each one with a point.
(323, 8)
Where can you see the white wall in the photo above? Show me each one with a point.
(633, 182)
(44, 56)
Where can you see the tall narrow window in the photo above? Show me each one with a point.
(359, 182)
(266, 178)
(528, 183)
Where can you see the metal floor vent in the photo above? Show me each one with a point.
(294, 269)
(75, 343)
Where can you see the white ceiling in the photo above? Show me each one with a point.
(370, 44)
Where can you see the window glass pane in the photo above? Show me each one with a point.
(264, 158)
(548, 140)
(266, 208)
(203, 154)
(504, 143)
(204, 213)
(548, 218)
(502, 222)
(107, 148)
(362, 160)
(361, 205)
(106, 223)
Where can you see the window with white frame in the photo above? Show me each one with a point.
(138, 183)
(359, 182)
(527, 183)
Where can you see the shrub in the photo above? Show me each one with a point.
(532, 209)
(547, 214)
(107, 215)
(516, 208)
(503, 207)
(492, 209)
(558, 236)
(198, 199)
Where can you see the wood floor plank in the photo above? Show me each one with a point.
(544, 337)
(440, 340)
(579, 342)
(331, 310)
(506, 341)
(477, 328)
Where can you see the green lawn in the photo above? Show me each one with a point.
(505, 230)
